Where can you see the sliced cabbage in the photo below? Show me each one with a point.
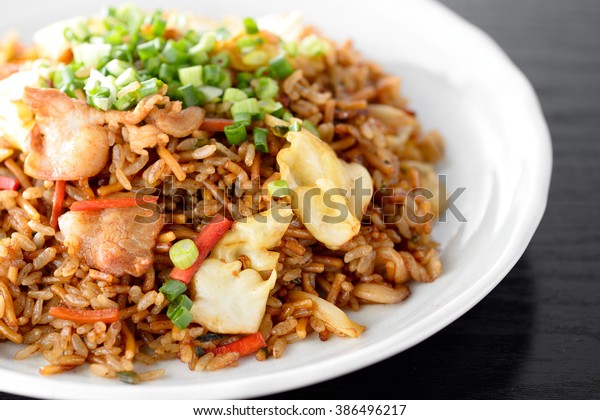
(16, 119)
(329, 313)
(227, 299)
(50, 40)
(326, 197)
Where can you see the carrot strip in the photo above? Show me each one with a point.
(109, 203)
(8, 183)
(244, 346)
(84, 316)
(205, 241)
(215, 124)
(58, 202)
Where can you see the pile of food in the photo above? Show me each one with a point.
(177, 188)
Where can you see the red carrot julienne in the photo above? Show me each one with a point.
(58, 202)
(8, 183)
(85, 315)
(205, 241)
(109, 203)
(244, 346)
(215, 124)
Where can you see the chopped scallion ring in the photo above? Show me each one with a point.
(251, 26)
(172, 288)
(236, 133)
(184, 254)
(260, 140)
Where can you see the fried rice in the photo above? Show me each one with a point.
(353, 106)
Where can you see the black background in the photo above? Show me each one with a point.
(537, 335)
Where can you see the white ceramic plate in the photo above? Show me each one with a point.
(498, 147)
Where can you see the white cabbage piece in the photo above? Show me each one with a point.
(16, 119)
(50, 40)
(327, 199)
(227, 299)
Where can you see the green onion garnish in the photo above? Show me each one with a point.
(295, 126)
(221, 59)
(190, 95)
(211, 93)
(179, 311)
(249, 105)
(278, 188)
(260, 140)
(280, 67)
(251, 26)
(266, 88)
(287, 116)
(280, 130)
(312, 46)
(234, 95)
(127, 77)
(181, 301)
(126, 101)
(236, 133)
(184, 254)
(166, 72)
(150, 87)
(269, 106)
(148, 49)
(172, 54)
(191, 75)
(207, 42)
(116, 67)
(172, 288)
(213, 74)
(255, 58)
(243, 117)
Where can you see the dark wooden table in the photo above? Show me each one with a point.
(537, 335)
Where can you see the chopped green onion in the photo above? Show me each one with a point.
(116, 67)
(312, 46)
(291, 48)
(269, 106)
(190, 96)
(248, 43)
(213, 74)
(236, 133)
(280, 130)
(78, 32)
(234, 95)
(260, 116)
(278, 188)
(173, 90)
(191, 75)
(181, 301)
(174, 55)
(182, 318)
(129, 377)
(226, 81)
(179, 311)
(152, 67)
(295, 126)
(63, 77)
(121, 52)
(260, 140)
(243, 117)
(311, 127)
(127, 77)
(184, 254)
(159, 25)
(126, 101)
(148, 49)
(211, 93)
(244, 79)
(207, 42)
(198, 57)
(91, 55)
(166, 72)
(280, 67)
(261, 71)
(249, 105)
(266, 88)
(172, 288)
(150, 87)
(221, 59)
(251, 26)
(255, 58)
(287, 116)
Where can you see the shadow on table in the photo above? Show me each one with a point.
(478, 356)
